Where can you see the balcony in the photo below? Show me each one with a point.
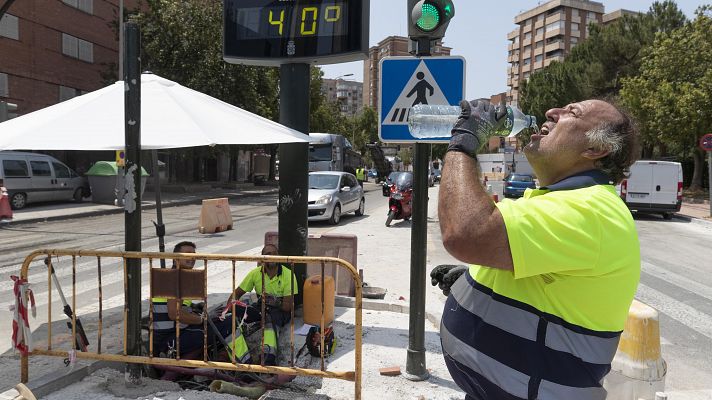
(511, 35)
(554, 46)
(555, 32)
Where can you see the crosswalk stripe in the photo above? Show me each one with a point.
(678, 280)
(677, 310)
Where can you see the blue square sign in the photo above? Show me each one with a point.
(407, 81)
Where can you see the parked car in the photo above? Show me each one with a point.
(516, 184)
(332, 194)
(34, 177)
(653, 186)
(373, 173)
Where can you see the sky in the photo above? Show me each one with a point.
(478, 32)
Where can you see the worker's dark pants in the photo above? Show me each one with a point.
(360, 183)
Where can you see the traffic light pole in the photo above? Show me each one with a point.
(294, 80)
(415, 368)
(132, 203)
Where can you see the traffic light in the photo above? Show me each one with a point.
(7, 111)
(429, 19)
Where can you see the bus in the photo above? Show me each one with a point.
(332, 152)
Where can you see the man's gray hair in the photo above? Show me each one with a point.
(620, 138)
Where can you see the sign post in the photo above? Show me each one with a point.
(405, 82)
(706, 145)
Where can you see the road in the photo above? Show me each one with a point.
(676, 274)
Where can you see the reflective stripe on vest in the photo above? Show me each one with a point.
(162, 323)
(238, 347)
(527, 353)
(270, 338)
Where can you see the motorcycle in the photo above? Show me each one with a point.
(400, 199)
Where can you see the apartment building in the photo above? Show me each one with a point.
(544, 34)
(53, 50)
(389, 47)
(348, 94)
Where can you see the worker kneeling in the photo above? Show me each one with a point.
(278, 281)
(279, 288)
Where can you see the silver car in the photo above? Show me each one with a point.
(332, 194)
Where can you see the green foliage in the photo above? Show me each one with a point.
(182, 41)
(596, 66)
(672, 95)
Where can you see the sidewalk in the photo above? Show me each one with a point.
(178, 195)
(699, 211)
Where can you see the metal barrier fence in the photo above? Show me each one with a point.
(194, 293)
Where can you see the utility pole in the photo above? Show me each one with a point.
(132, 195)
(294, 82)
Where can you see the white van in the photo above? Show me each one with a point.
(33, 177)
(653, 186)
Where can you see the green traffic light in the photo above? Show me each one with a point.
(429, 17)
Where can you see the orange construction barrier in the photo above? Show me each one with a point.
(215, 216)
(5, 209)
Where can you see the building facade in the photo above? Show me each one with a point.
(57, 49)
(389, 47)
(348, 94)
(544, 34)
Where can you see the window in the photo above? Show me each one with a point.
(15, 168)
(85, 5)
(40, 168)
(555, 53)
(515, 40)
(540, 17)
(574, 13)
(526, 75)
(528, 36)
(9, 27)
(574, 26)
(527, 48)
(77, 48)
(60, 170)
(527, 61)
(4, 86)
(539, 44)
(554, 26)
(591, 15)
(538, 58)
(539, 31)
(573, 41)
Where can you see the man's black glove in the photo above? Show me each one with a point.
(445, 275)
(478, 120)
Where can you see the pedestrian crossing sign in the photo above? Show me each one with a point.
(407, 81)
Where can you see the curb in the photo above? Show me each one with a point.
(693, 220)
(119, 210)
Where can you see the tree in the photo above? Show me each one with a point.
(672, 96)
(596, 66)
(182, 41)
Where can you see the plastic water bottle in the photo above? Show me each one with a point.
(436, 121)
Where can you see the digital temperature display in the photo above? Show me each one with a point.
(264, 32)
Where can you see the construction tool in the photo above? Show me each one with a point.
(81, 338)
